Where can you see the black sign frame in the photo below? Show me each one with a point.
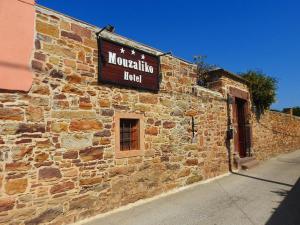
(101, 76)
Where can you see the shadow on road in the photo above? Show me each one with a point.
(288, 212)
(262, 179)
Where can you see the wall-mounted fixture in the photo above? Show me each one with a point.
(254, 109)
(193, 126)
(230, 131)
(166, 53)
(230, 100)
(194, 131)
(108, 28)
(229, 134)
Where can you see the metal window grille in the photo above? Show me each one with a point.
(129, 134)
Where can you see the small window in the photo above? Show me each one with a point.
(129, 133)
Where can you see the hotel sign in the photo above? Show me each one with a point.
(127, 66)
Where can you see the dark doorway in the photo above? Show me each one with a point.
(240, 127)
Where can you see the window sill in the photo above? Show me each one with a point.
(130, 153)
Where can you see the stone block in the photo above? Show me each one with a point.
(11, 114)
(45, 217)
(41, 157)
(75, 114)
(151, 131)
(6, 204)
(70, 35)
(56, 74)
(91, 153)
(16, 186)
(40, 56)
(85, 125)
(191, 162)
(191, 147)
(194, 179)
(58, 127)
(81, 31)
(121, 170)
(107, 112)
(184, 173)
(191, 113)
(74, 79)
(81, 66)
(76, 141)
(47, 29)
(104, 133)
(64, 25)
(34, 114)
(90, 181)
(44, 143)
(70, 155)
(90, 43)
(70, 63)
(84, 202)
(169, 124)
(49, 173)
(72, 172)
(81, 58)
(17, 166)
(85, 103)
(39, 101)
(142, 107)
(148, 98)
(62, 187)
(71, 89)
(40, 89)
(31, 128)
(19, 152)
(105, 141)
(59, 51)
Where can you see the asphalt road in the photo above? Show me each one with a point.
(268, 194)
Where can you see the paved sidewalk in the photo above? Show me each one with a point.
(268, 194)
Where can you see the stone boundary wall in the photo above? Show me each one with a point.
(57, 142)
(275, 133)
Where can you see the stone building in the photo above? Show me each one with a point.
(72, 147)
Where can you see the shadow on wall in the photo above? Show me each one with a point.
(258, 116)
(288, 212)
(14, 65)
(277, 132)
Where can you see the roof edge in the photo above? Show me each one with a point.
(230, 75)
(109, 35)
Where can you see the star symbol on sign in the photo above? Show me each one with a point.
(132, 52)
(143, 56)
(122, 50)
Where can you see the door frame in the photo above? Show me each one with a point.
(245, 96)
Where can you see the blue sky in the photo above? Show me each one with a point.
(237, 35)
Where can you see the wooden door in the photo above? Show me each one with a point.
(240, 137)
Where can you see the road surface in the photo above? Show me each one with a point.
(268, 194)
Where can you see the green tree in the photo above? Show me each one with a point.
(202, 69)
(296, 111)
(263, 88)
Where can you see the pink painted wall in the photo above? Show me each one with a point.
(16, 43)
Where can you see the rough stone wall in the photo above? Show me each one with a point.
(224, 83)
(275, 133)
(227, 83)
(57, 158)
(57, 142)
